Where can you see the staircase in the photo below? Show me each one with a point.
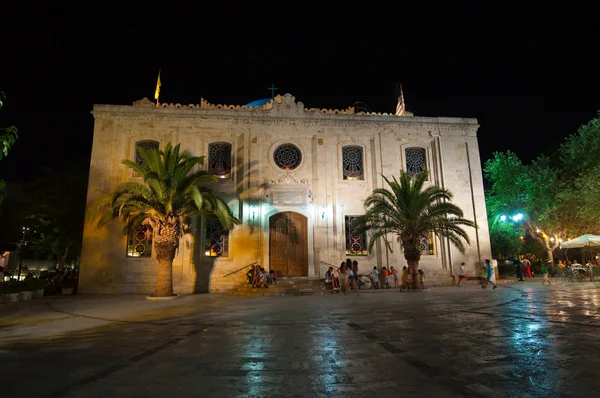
(285, 287)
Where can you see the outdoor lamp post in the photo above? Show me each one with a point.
(23, 243)
(515, 218)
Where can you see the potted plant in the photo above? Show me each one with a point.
(67, 286)
(36, 286)
(10, 292)
(25, 294)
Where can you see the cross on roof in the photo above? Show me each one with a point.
(272, 88)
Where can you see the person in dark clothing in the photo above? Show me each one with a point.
(519, 269)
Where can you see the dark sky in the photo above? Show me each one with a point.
(527, 93)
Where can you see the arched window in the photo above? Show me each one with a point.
(146, 144)
(219, 159)
(139, 242)
(416, 161)
(426, 244)
(352, 163)
(356, 244)
(216, 238)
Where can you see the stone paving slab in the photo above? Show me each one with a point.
(521, 340)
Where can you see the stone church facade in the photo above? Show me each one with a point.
(295, 177)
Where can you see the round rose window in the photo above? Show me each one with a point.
(287, 157)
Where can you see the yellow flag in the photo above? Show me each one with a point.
(158, 84)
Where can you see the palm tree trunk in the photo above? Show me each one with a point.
(413, 266)
(166, 245)
(412, 254)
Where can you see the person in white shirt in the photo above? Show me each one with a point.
(375, 278)
(461, 273)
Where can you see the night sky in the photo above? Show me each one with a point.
(527, 94)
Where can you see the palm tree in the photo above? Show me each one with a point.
(410, 211)
(170, 195)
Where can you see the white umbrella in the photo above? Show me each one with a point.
(582, 241)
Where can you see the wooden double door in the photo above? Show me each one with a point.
(288, 244)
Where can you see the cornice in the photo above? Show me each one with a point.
(283, 111)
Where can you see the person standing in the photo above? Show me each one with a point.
(490, 274)
(545, 273)
(386, 277)
(527, 268)
(519, 268)
(343, 278)
(461, 273)
(375, 278)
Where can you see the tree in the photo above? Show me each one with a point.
(580, 176)
(8, 136)
(170, 195)
(578, 152)
(54, 206)
(410, 211)
(530, 190)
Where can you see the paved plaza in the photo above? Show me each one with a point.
(520, 340)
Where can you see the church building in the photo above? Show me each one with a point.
(296, 178)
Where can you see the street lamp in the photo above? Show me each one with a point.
(23, 243)
(516, 218)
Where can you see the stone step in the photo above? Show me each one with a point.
(284, 287)
(284, 282)
(267, 292)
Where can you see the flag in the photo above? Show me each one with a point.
(158, 84)
(401, 107)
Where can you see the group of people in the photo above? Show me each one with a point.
(258, 277)
(524, 269)
(486, 278)
(346, 276)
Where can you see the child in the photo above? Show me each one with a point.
(409, 279)
(330, 278)
(421, 279)
(375, 278)
(263, 278)
(462, 275)
(272, 276)
(396, 277)
(404, 278)
(386, 278)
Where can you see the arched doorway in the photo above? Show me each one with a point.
(288, 244)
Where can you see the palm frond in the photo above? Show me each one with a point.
(171, 190)
(409, 210)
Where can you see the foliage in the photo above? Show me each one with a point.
(55, 206)
(34, 284)
(8, 136)
(504, 238)
(410, 210)
(579, 151)
(582, 201)
(11, 286)
(530, 190)
(559, 202)
(580, 191)
(171, 194)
